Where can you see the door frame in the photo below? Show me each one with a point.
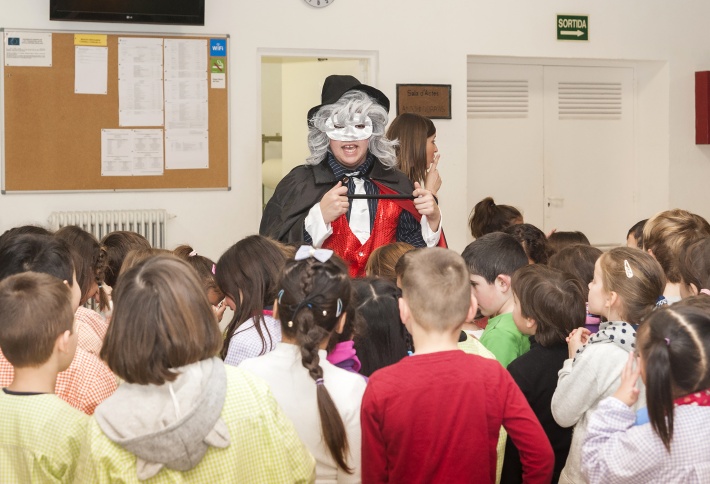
(371, 57)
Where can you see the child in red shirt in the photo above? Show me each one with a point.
(422, 417)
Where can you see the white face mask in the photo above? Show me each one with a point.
(357, 128)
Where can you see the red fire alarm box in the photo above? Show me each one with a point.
(702, 108)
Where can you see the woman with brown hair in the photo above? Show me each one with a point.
(322, 400)
(417, 153)
(181, 415)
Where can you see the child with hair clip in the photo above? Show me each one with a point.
(549, 304)
(627, 286)
(90, 261)
(674, 364)
(181, 414)
(248, 274)
(323, 401)
(206, 270)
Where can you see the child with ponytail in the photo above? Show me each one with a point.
(673, 349)
(323, 401)
(628, 285)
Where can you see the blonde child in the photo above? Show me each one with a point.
(627, 286)
(181, 415)
(674, 364)
(40, 435)
(322, 400)
(664, 236)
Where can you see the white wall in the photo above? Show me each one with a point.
(418, 42)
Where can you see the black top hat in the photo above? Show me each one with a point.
(336, 86)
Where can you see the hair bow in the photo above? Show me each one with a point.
(306, 251)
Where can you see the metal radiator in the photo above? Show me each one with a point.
(149, 223)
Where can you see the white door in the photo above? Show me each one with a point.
(556, 142)
(589, 154)
(505, 137)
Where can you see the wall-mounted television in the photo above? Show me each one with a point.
(181, 12)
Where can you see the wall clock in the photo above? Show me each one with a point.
(319, 3)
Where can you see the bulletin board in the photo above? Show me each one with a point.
(53, 136)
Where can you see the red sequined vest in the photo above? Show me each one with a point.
(344, 243)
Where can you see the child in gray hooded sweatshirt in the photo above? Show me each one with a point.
(182, 415)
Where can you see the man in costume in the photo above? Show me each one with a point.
(350, 156)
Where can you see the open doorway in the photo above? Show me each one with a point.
(291, 84)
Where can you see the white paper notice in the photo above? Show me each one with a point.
(131, 152)
(91, 70)
(28, 49)
(116, 152)
(186, 115)
(185, 90)
(148, 152)
(186, 149)
(140, 102)
(140, 81)
(185, 59)
(219, 81)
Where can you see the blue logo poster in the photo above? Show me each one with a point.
(218, 47)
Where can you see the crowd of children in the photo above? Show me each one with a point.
(527, 358)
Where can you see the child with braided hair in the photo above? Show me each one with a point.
(322, 400)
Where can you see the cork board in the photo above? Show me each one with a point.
(53, 136)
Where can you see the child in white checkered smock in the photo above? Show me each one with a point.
(667, 442)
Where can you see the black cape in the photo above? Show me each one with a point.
(303, 187)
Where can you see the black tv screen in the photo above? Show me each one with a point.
(182, 12)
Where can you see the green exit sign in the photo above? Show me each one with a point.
(573, 27)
